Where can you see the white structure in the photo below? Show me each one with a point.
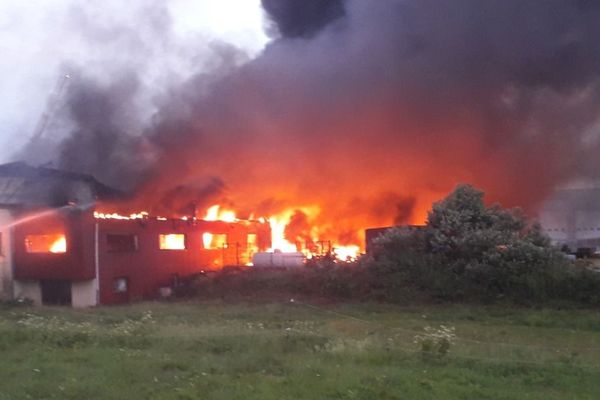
(277, 259)
(6, 261)
(572, 217)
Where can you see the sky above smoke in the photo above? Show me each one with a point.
(162, 41)
(365, 111)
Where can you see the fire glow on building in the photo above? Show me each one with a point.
(66, 240)
(356, 114)
(310, 246)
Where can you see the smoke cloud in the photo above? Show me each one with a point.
(367, 111)
(303, 18)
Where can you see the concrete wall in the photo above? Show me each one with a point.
(83, 294)
(6, 257)
(28, 290)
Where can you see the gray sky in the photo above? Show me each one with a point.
(42, 39)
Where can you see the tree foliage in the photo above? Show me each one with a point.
(468, 249)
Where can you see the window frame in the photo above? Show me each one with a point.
(58, 236)
(115, 286)
(185, 241)
(136, 243)
(225, 243)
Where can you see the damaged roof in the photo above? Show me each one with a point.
(24, 185)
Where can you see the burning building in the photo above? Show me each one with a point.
(355, 114)
(56, 248)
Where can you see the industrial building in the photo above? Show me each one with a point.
(571, 217)
(56, 249)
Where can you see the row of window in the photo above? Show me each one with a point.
(57, 243)
(166, 241)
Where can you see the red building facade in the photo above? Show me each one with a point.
(69, 256)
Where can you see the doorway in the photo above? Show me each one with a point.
(56, 292)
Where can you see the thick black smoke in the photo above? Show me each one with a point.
(303, 18)
(402, 100)
(102, 125)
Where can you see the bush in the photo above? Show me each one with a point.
(323, 280)
(469, 251)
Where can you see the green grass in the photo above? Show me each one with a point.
(215, 350)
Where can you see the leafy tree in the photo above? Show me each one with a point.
(467, 249)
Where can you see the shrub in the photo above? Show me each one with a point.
(470, 251)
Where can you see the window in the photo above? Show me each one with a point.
(51, 243)
(121, 242)
(120, 285)
(213, 241)
(252, 243)
(172, 241)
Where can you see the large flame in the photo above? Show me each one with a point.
(278, 240)
(216, 213)
(298, 230)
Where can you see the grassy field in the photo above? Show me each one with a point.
(296, 350)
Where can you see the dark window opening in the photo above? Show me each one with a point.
(121, 243)
(56, 292)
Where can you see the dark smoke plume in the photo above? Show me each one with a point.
(102, 117)
(303, 18)
(407, 97)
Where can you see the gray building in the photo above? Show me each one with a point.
(572, 217)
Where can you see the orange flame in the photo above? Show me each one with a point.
(59, 245)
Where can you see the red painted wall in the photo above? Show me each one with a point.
(76, 264)
(149, 268)
(146, 269)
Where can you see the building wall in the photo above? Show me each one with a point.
(148, 268)
(28, 290)
(572, 217)
(6, 259)
(84, 294)
(93, 267)
(76, 264)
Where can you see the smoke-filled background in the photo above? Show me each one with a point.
(359, 112)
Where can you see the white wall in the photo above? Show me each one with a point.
(83, 294)
(6, 260)
(28, 290)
